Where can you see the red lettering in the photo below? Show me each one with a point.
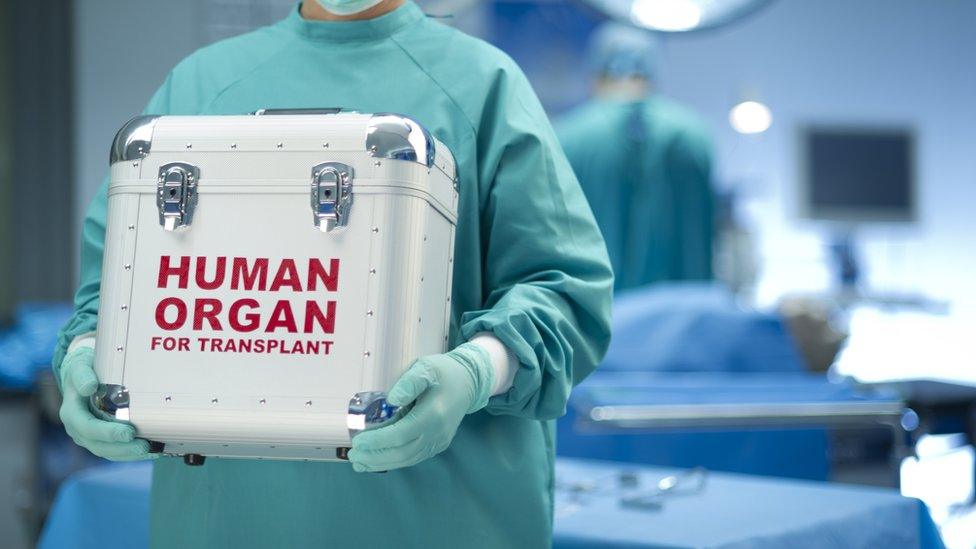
(282, 317)
(184, 344)
(330, 278)
(201, 271)
(233, 316)
(241, 277)
(287, 275)
(180, 313)
(313, 314)
(206, 309)
(166, 270)
(155, 343)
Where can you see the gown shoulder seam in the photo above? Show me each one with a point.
(240, 78)
(437, 83)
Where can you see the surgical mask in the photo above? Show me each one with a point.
(347, 7)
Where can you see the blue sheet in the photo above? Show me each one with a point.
(738, 511)
(796, 453)
(27, 345)
(695, 328)
(94, 505)
(732, 511)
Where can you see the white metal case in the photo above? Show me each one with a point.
(261, 270)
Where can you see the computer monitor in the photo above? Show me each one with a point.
(858, 175)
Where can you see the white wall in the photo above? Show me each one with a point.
(123, 50)
(871, 61)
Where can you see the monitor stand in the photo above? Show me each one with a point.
(847, 268)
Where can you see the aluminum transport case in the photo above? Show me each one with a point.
(267, 278)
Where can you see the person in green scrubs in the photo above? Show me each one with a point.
(471, 464)
(644, 163)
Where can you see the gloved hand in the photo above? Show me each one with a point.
(107, 439)
(443, 388)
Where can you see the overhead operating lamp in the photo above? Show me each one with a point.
(677, 15)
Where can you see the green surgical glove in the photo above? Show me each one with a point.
(443, 389)
(107, 439)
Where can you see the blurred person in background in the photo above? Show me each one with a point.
(644, 163)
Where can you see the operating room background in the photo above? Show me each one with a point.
(870, 62)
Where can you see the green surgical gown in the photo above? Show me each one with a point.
(531, 267)
(645, 169)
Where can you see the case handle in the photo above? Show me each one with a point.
(333, 110)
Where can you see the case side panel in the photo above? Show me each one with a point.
(445, 161)
(435, 293)
(416, 211)
(398, 266)
(116, 287)
(372, 345)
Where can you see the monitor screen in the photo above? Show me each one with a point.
(858, 175)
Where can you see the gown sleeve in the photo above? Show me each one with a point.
(84, 319)
(547, 276)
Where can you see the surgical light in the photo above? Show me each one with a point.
(675, 16)
(750, 117)
(666, 15)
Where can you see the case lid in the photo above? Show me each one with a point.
(348, 147)
(383, 135)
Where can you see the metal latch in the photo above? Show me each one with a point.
(331, 195)
(176, 195)
(368, 410)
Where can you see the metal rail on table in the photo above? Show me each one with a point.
(826, 414)
(623, 418)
